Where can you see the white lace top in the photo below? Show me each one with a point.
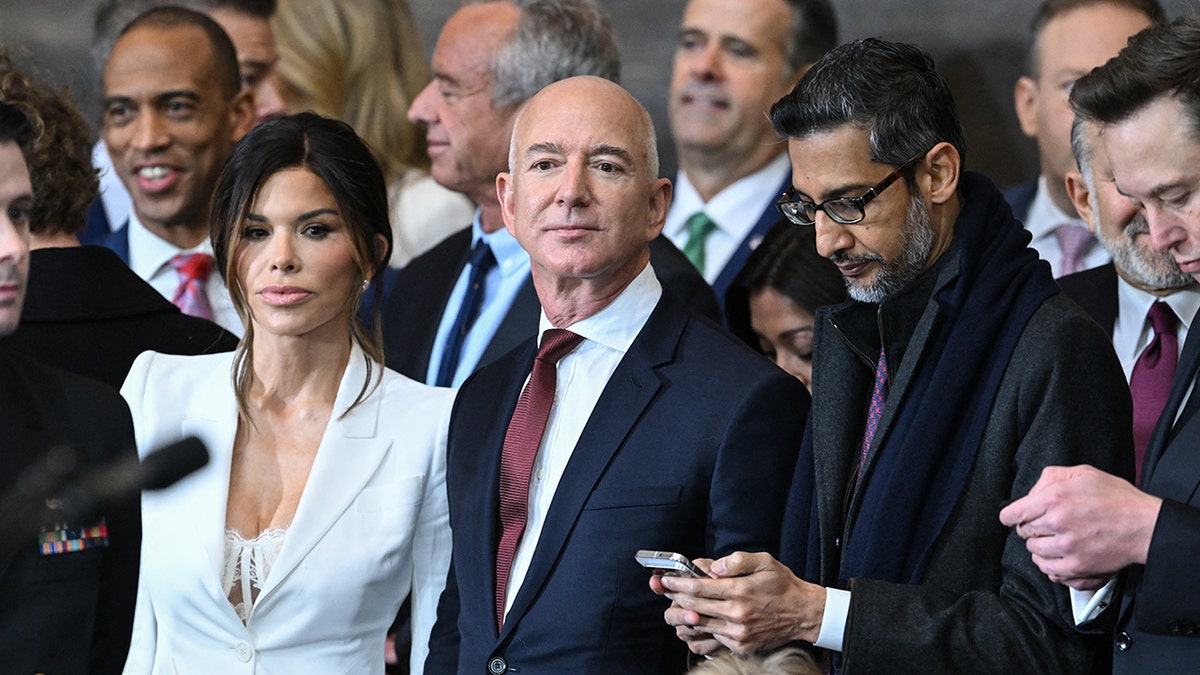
(247, 565)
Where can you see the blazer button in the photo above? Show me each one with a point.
(1124, 642)
(497, 665)
(1174, 627)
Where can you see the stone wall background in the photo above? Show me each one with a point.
(979, 47)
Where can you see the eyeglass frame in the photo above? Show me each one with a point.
(790, 196)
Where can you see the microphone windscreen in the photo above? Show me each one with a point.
(166, 466)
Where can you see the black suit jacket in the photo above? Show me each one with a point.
(72, 612)
(1095, 290)
(415, 304)
(686, 450)
(1159, 627)
(88, 313)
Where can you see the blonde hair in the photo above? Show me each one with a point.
(790, 661)
(360, 61)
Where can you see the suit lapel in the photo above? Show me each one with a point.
(629, 391)
(769, 217)
(349, 454)
(518, 325)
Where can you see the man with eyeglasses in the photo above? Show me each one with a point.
(955, 373)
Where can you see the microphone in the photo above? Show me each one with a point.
(47, 493)
(86, 498)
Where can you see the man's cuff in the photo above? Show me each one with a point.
(833, 623)
(1087, 605)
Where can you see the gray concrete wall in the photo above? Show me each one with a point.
(978, 45)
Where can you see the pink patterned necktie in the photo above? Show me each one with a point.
(874, 412)
(521, 443)
(193, 270)
(1075, 241)
(1150, 382)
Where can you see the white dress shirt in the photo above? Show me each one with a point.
(1132, 333)
(1043, 219)
(735, 210)
(582, 376)
(150, 257)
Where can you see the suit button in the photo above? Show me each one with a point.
(1174, 627)
(497, 665)
(244, 652)
(1124, 642)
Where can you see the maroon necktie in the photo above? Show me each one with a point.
(193, 270)
(521, 443)
(1150, 382)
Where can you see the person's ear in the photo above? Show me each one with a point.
(1080, 195)
(945, 168)
(1025, 101)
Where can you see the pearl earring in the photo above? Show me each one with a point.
(365, 283)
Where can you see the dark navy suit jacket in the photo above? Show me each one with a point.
(686, 450)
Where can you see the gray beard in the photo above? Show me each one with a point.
(1149, 268)
(916, 244)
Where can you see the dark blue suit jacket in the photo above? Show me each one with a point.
(117, 241)
(686, 450)
(1019, 197)
(765, 221)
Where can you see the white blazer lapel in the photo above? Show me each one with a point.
(202, 499)
(349, 454)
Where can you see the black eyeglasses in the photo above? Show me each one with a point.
(844, 210)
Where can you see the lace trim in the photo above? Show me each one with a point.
(248, 563)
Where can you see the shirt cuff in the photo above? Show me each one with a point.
(833, 623)
(1087, 605)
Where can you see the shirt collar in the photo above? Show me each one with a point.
(619, 323)
(1044, 216)
(149, 253)
(510, 257)
(750, 194)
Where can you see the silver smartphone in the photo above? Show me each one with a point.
(668, 563)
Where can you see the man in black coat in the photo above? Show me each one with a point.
(67, 583)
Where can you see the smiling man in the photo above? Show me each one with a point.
(655, 429)
(953, 376)
(173, 108)
(732, 60)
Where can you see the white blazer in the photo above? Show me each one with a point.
(372, 519)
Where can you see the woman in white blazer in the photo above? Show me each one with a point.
(324, 498)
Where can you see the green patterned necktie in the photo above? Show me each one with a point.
(699, 226)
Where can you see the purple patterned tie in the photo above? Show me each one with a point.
(878, 398)
(1150, 382)
(1075, 241)
(193, 270)
(521, 443)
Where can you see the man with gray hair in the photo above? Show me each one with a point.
(470, 299)
(1142, 298)
(733, 59)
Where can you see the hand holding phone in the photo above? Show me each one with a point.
(668, 563)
